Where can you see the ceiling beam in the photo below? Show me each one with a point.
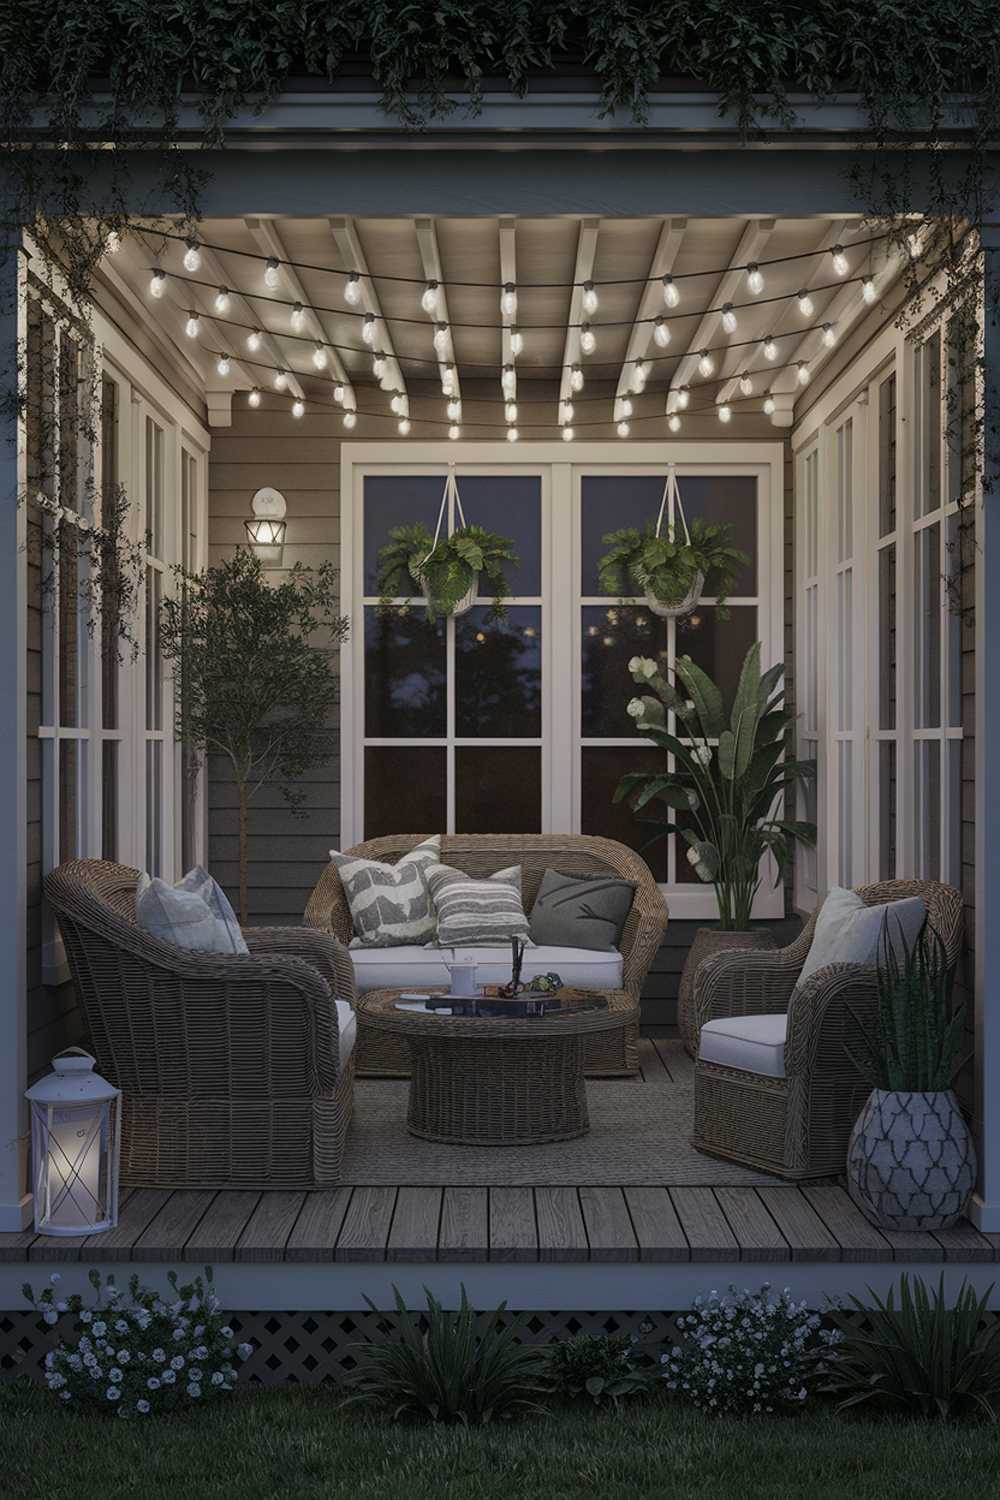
(352, 258)
(267, 237)
(430, 258)
(752, 242)
(650, 303)
(172, 346)
(508, 277)
(211, 270)
(586, 254)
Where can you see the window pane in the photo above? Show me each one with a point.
(498, 674)
(404, 674)
(109, 800)
(601, 770)
(927, 808)
(929, 397)
(511, 505)
(887, 637)
(498, 790)
(154, 657)
(404, 790)
(154, 806)
(719, 646)
(927, 625)
(887, 810)
(392, 500)
(109, 598)
(726, 499)
(887, 456)
(70, 787)
(611, 636)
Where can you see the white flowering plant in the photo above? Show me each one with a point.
(726, 778)
(138, 1354)
(749, 1353)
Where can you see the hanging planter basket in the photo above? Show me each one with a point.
(471, 597)
(672, 504)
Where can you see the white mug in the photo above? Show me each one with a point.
(463, 978)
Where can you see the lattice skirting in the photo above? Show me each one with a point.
(309, 1348)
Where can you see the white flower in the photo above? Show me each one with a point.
(642, 668)
(702, 753)
(56, 1381)
(693, 856)
(153, 1383)
(123, 1356)
(169, 1376)
(99, 1330)
(194, 1376)
(635, 708)
(86, 1317)
(115, 1375)
(65, 1395)
(179, 1333)
(177, 1363)
(226, 1332)
(244, 1350)
(51, 1316)
(113, 1393)
(158, 1355)
(218, 1377)
(194, 1391)
(142, 1406)
(121, 1325)
(55, 1277)
(200, 1352)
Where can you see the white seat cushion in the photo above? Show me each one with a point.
(347, 1025)
(399, 968)
(417, 968)
(754, 1043)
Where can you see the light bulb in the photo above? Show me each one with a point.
(368, 329)
(298, 408)
(222, 300)
(254, 397)
(683, 398)
(192, 257)
(338, 394)
(193, 325)
(352, 289)
(157, 284)
(254, 340)
(441, 337)
(429, 300)
(729, 318)
(829, 335)
(806, 306)
(589, 300)
(454, 411)
(706, 364)
(403, 426)
(568, 434)
(623, 429)
(640, 374)
(512, 434)
(510, 411)
(588, 343)
(769, 404)
(272, 276)
(802, 372)
(280, 380)
(725, 412)
(516, 341)
(674, 422)
(625, 407)
(378, 365)
(869, 290)
(508, 300)
(755, 280)
(746, 384)
(576, 379)
(319, 357)
(448, 380)
(298, 317)
(113, 243)
(454, 431)
(840, 262)
(350, 419)
(508, 380)
(397, 404)
(661, 332)
(770, 348)
(223, 366)
(671, 295)
(568, 410)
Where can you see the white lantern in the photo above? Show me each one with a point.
(75, 1147)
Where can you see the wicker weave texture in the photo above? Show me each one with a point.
(798, 1126)
(229, 1065)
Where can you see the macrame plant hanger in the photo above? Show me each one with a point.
(450, 493)
(672, 506)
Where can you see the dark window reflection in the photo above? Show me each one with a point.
(601, 770)
(404, 790)
(719, 646)
(498, 790)
(392, 500)
(498, 674)
(510, 505)
(612, 634)
(404, 674)
(726, 499)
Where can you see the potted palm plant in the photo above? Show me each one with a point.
(670, 569)
(723, 795)
(911, 1161)
(446, 569)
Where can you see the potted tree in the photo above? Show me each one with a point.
(446, 569)
(670, 569)
(256, 672)
(911, 1161)
(725, 792)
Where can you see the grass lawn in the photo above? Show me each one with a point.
(297, 1444)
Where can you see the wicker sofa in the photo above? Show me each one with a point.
(795, 1121)
(235, 1071)
(608, 1053)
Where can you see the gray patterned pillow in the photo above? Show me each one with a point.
(581, 911)
(390, 904)
(476, 913)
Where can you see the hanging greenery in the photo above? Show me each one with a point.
(667, 568)
(445, 570)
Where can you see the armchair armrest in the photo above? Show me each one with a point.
(826, 1024)
(324, 952)
(745, 982)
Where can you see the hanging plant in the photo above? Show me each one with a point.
(445, 570)
(671, 570)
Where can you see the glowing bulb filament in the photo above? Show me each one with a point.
(223, 366)
(770, 348)
(280, 380)
(576, 379)
(755, 280)
(806, 306)
(192, 257)
(623, 429)
(454, 431)
(272, 277)
(352, 289)
(508, 300)
(319, 357)
(298, 408)
(589, 302)
(802, 373)
(674, 422)
(671, 295)
(441, 336)
(769, 404)
(568, 434)
(729, 318)
(829, 335)
(429, 300)
(869, 290)
(193, 325)
(840, 262)
(368, 329)
(683, 398)
(746, 384)
(157, 284)
(588, 343)
(298, 317)
(350, 419)
(510, 411)
(706, 364)
(512, 434)
(661, 332)
(222, 300)
(254, 340)
(403, 426)
(516, 342)
(725, 412)
(254, 397)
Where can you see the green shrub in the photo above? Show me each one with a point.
(450, 1366)
(919, 1356)
(598, 1368)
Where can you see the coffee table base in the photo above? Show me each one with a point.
(520, 1092)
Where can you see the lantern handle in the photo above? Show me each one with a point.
(73, 1060)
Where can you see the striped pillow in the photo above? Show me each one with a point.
(473, 913)
(390, 904)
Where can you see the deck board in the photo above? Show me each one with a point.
(609, 1228)
(365, 1231)
(561, 1232)
(415, 1224)
(168, 1231)
(704, 1224)
(858, 1240)
(269, 1227)
(465, 1234)
(657, 1228)
(314, 1235)
(513, 1230)
(756, 1232)
(219, 1229)
(807, 1236)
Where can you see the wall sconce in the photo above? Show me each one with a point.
(266, 532)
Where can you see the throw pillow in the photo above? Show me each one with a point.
(849, 932)
(581, 911)
(476, 913)
(194, 914)
(390, 905)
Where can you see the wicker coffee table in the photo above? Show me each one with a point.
(485, 1079)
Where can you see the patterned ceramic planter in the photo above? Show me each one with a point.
(911, 1161)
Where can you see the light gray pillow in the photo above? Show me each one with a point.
(390, 904)
(581, 911)
(194, 914)
(849, 932)
(477, 913)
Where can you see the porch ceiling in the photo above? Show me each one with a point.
(548, 258)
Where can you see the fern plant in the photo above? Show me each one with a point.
(444, 570)
(450, 1366)
(915, 1043)
(664, 567)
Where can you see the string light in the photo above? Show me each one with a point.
(576, 379)
(623, 429)
(869, 290)
(770, 348)
(397, 404)
(683, 398)
(339, 393)
(280, 379)
(671, 295)
(516, 342)
(319, 357)
(368, 329)
(403, 426)
(725, 412)
(625, 407)
(769, 404)
(802, 372)
(378, 365)
(157, 283)
(512, 434)
(192, 257)
(755, 280)
(640, 375)
(508, 381)
(223, 366)
(272, 274)
(442, 334)
(706, 364)
(840, 262)
(193, 325)
(352, 289)
(298, 408)
(431, 298)
(254, 397)
(298, 318)
(746, 384)
(588, 342)
(729, 318)
(568, 411)
(222, 300)
(674, 422)
(350, 419)
(254, 340)
(829, 335)
(510, 411)
(589, 302)
(454, 431)
(454, 410)
(661, 332)
(806, 304)
(508, 300)
(113, 243)
(568, 434)
(448, 380)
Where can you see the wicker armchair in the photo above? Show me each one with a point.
(608, 1053)
(229, 1065)
(798, 1126)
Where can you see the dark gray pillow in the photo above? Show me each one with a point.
(581, 911)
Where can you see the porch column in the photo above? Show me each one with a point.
(15, 1203)
(987, 936)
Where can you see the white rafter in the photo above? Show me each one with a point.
(430, 258)
(508, 275)
(267, 237)
(752, 242)
(170, 321)
(586, 254)
(211, 270)
(650, 303)
(352, 258)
